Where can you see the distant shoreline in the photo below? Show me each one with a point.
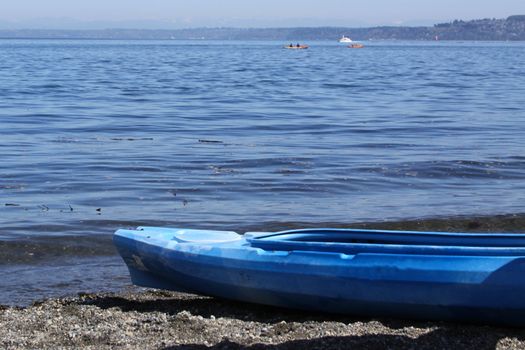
(508, 29)
(254, 40)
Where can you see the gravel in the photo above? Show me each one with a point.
(148, 319)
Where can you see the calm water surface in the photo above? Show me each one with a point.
(96, 135)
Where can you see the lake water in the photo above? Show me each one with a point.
(97, 135)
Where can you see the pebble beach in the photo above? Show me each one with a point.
(147, 319)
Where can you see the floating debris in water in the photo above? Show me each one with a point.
(132, 139)
(70, 209)
(210, 141)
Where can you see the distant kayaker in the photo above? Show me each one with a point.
(298, 45)
(291, 45)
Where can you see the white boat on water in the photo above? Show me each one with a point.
(345, 39)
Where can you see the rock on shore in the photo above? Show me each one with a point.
(165, 320)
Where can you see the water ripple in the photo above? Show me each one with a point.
(228, 133)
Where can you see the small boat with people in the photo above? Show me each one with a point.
(356, 46)
(472, 277)
(296, 47)
(345, 39)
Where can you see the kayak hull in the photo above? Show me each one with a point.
(473, 288)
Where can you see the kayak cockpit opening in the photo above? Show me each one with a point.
(398, 237)
(354, 241)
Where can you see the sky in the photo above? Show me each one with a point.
(87, 14)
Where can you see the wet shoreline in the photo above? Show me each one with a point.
(35, 249)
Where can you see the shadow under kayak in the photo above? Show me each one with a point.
(423, 275)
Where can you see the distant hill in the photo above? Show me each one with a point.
(511, 28)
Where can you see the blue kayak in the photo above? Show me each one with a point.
(405, 274)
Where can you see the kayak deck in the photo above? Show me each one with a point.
(426, 275)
